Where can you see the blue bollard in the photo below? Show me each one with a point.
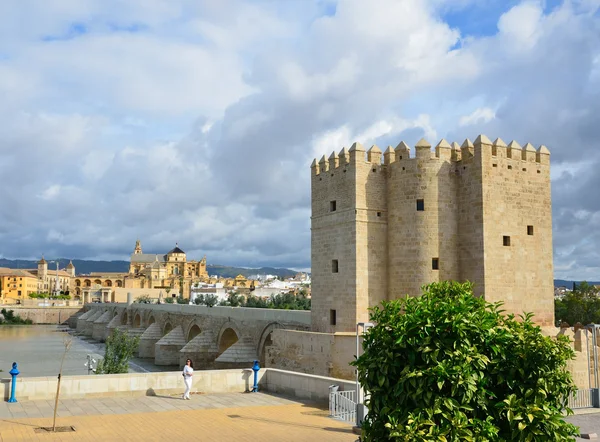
(14, 372)
(255, 369)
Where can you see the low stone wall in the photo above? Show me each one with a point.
(298, 385)
(301, 385)
(130, 384)
(45, 315)
(321, 354)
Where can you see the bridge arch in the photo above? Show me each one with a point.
(124, 318)
(167, 329)
(151, 320)
(228, 335)
(266, 340)
(193, 332)
(137, 321)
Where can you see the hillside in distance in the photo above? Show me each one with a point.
(83, 266)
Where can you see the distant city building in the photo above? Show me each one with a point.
(16, 285)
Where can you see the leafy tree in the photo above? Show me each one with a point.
(211, 300)
(448, 366)
(169, 300)
(256, 302)
(120, 348)
(199, 300)
(580, 305)
(181, 300)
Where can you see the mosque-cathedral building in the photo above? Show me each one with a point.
(158, 275)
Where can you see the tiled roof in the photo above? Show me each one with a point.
(147, 257)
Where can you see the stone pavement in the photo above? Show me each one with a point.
(215, 417)
(588, 421)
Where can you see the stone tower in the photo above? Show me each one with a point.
(42, 268)
(138, 248)
(71, 269)
(382, 229)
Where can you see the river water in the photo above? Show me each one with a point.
(38, 350)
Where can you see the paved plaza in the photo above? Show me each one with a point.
(216, 417)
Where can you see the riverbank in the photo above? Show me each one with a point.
(44, 315)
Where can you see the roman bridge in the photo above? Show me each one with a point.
(213, 337)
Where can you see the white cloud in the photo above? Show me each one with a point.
(521, 24)
(195, 121)
(478, 116)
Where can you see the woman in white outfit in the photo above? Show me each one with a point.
(188, 372)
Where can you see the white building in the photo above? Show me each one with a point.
(208, 289)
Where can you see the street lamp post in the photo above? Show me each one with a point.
(360, 407)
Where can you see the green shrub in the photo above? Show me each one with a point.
(143, 299)
(448, 366)
(11, 319)
(120, 348)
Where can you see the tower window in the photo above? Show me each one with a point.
(506, 241)
(530, 230)
(435, 263)
(332, 206)
(378, 213)
(334, 266)
(510, 167)
(420, 205)
(332, 317)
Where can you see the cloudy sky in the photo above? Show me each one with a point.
(195, 120)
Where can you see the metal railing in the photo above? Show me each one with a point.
(583, 398)
(342, 405)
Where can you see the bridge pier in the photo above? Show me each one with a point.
(88, 326)
(202, 350)
(100, 326)
(239, 355)
(81, 320)
(166, 351)
(114, 323)
(148, 340)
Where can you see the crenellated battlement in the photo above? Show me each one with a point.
(445, 151)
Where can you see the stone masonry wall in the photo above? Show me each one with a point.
(46, 315)
(486, 218)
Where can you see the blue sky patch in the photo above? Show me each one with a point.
(75, 30)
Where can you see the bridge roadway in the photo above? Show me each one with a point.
(213, 337)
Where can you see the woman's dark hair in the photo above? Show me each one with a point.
(191, 363)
